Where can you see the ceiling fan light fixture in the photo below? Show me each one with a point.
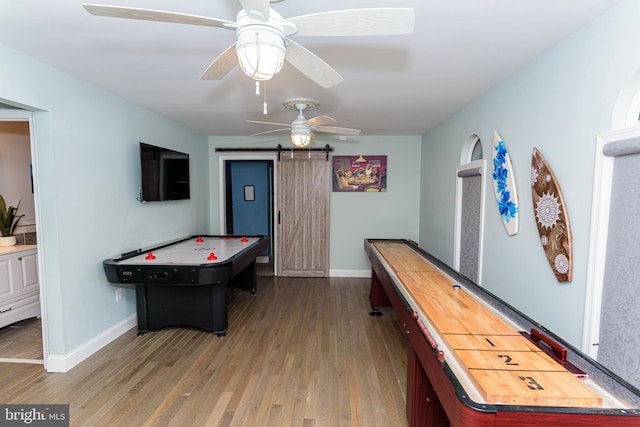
(301, 138)
(261, 52)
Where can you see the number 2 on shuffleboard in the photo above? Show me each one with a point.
(507, 360)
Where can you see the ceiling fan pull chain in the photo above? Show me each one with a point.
(257, 87)
(264, 109)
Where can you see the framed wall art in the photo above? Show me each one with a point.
(359, 173)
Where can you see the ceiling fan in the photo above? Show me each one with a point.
(301, 128)
(263, 40)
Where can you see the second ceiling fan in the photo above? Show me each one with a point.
(263, 36)
(301, 128)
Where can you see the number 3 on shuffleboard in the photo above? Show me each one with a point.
(531, 383)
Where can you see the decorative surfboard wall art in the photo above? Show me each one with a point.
(552, 218)
(504, 185)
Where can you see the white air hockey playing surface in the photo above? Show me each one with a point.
(194, 251)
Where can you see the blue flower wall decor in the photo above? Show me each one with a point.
(505, 185)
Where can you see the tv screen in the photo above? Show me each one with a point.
(165, 174)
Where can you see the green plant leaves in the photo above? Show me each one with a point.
(8, 218)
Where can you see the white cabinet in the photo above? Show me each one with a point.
(19, 289)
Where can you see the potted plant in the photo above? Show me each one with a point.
(9, 219)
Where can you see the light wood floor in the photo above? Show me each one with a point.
(302, 352)
(22, 342)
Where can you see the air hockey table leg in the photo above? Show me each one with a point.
(141, 309)
(202, 307)
(246, 279)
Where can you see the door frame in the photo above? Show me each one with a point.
(274, 196)
(20, 115)
(457, 233)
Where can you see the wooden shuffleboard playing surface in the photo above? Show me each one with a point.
(504, 366)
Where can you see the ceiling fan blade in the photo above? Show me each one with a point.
(267, 123)
(339, 130)
(320, 120)
(256, 8)
(311, 65)
(221, 66)
(156, 15)
(356, 22)
(269, 131)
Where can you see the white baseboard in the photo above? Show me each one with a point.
(350, 273)
(63, 363)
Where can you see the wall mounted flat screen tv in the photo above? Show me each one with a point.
(165, 174)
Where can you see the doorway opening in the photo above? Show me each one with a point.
(249, 190)
(23, 336)
(300, 190)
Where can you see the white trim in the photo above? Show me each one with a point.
(457, 232)
(633, 116)
(63, 363)
(350, 273)
(223, 183)
(481, 227)
(602, 181)
(457, 223)
(15, 115)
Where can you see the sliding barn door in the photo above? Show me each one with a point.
(303, 220)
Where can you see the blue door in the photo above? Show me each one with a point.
(249, 188)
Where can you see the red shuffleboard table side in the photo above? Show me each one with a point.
(435, 395)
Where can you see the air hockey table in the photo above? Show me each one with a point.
(475, 361)
(184, 282)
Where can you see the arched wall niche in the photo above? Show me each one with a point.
(626, 112)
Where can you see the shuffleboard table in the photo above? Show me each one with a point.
(183, 283)
(473, 360)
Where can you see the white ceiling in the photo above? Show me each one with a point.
(394, 85)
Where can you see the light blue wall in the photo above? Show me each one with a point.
(558, 103)
(354, 216)
(394, 214)
(87, 181)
